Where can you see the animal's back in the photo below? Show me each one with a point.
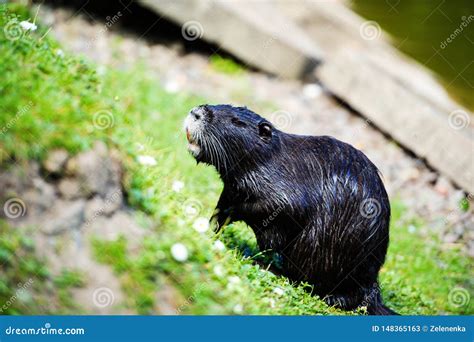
(337, 227)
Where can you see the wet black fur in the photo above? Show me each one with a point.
(317, 201)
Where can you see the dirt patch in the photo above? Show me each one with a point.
(63, 204)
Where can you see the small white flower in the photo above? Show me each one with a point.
(233, 280)
(27, 26)
(60, 52)
(411, 229)
(218, 270)
(218, 245)
(279, 291)
(190, 210)
(312, 90)
(177, 186)
(146, 160)
(171, 87)
(238, 309)
(201, 225)
(232, 283)
(272, 303)
(179, 252)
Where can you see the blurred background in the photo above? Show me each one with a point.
(423, 30)
(103, 211)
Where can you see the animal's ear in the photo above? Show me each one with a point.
(265, 130)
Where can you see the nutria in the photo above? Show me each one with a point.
(316, 201)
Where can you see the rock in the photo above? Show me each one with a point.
(69, 188)
(55, 161)
(17, 179)
(390, 105)
(456, 199)
(39, 197)
(409, 174)
(113, 200)
(443, 186)
(98, 206)
(92, 168)
(94, 208)
(115, 171)
(431, 177)
(64, 215)
(451, 238)
(266, 39)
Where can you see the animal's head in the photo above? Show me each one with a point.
(229, 137)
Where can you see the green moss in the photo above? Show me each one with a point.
(464, 204)
(225, 65)
(69, 278)
(112, 252)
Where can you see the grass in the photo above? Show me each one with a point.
(225, 65)
(26, 286)
(421, 276)
(60, 100)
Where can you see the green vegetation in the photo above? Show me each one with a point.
(225, 65)
(421, 276)
(25, 283)
(62, 92)
(63, 95)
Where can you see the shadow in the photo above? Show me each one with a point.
(140, 22)
(247, 247)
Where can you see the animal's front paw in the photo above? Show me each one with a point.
(220, 218)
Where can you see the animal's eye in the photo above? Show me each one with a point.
(265, 131)
(238, 123)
